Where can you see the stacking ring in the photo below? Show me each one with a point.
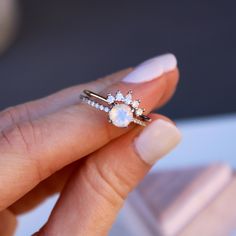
(121, 109)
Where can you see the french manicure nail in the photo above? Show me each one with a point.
(156, 140)
(152, 69)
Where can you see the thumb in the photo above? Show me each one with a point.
(91, 200)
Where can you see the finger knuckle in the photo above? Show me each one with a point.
(13, 115)
(21, 139)
(18, 137)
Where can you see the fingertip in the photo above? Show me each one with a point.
(156, 140)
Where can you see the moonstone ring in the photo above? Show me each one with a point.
(121, 109)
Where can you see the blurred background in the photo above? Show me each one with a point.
(49, 45)
(61, 43)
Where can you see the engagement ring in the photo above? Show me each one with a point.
(121, 109)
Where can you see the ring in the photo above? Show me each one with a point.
(122, 110)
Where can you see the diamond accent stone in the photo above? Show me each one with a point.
(101, 107)
(139, 112)
(121, 115)
(128, 98)
(135, 103)
(110, 99)
(106, 109)
(119, 96)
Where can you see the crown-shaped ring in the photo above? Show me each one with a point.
(121, 109)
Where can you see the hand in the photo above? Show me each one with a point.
(57, 144)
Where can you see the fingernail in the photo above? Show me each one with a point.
(156, 140)
(152, 69)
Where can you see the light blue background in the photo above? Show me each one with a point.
(205, 140)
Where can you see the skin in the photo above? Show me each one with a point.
(51, 145)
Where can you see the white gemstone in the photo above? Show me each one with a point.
(121, 115)
(106, 109)
(119, 96)
(135, 104)
(110, 99)
(101, 107)
(97, 105)
(139, 112)
(92, 103)
(128, 98)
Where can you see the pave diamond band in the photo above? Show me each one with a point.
(95, 104)
(122, 110)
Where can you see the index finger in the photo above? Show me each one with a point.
(33, 150)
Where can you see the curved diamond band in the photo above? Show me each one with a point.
(122, 110)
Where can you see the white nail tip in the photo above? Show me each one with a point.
(152, 68)
(156, 140)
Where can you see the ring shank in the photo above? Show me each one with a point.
(95, 95)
